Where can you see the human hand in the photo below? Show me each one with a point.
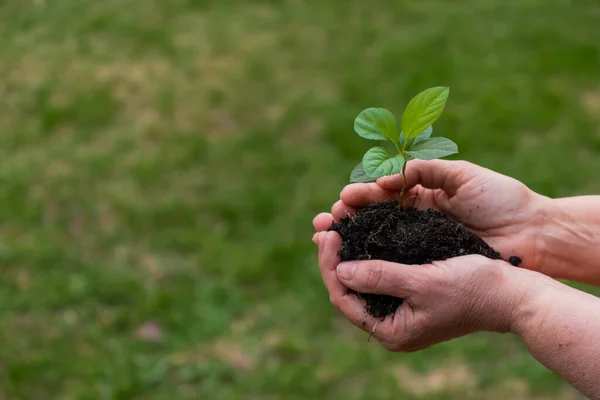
(499, 209)
(443, 300)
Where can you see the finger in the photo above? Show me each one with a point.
(420, 198)
(351, 307)
(348, 304)
(322, 222)
(359, 195)
(380, 277)
(329, 244)
(432, 174)
(341, 210)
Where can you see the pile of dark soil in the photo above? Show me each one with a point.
(382, 231)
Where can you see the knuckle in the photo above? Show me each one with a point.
(464, 170)
(435, 276)
(374, 275)
(462, 164)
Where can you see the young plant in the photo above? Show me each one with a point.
(413, 141)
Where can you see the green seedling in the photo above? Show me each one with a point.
(412, 141)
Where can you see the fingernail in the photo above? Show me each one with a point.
(314, 238)
(346, 270)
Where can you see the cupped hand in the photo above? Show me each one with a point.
(443, 300)
(501, 210)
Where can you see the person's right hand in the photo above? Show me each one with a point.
(501, 210)
(442, 300)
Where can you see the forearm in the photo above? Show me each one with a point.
(561, 330)
(568, 245)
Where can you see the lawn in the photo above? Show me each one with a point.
(161, 162)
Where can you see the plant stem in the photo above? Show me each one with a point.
(403, 172)
(403, 185)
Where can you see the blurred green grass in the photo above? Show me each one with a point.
(161, 162)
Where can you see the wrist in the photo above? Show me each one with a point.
(543, 211)
(568, 234)
(509, 295)
(532, 294)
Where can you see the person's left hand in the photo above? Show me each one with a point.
(443, 300)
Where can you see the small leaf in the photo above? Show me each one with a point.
(423, 110)
(359, 175)
(377, 162)
(432, 148)
(424, 135)
(376, 124)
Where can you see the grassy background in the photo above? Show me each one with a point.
(161, 162)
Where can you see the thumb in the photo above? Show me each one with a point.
(448, 175)
(380, 277)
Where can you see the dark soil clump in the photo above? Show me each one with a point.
(382, 231)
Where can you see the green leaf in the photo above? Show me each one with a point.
(376, 124)
(377, 162)
(424, 135)
(423, 110)
(359, 175)
(432, 148)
